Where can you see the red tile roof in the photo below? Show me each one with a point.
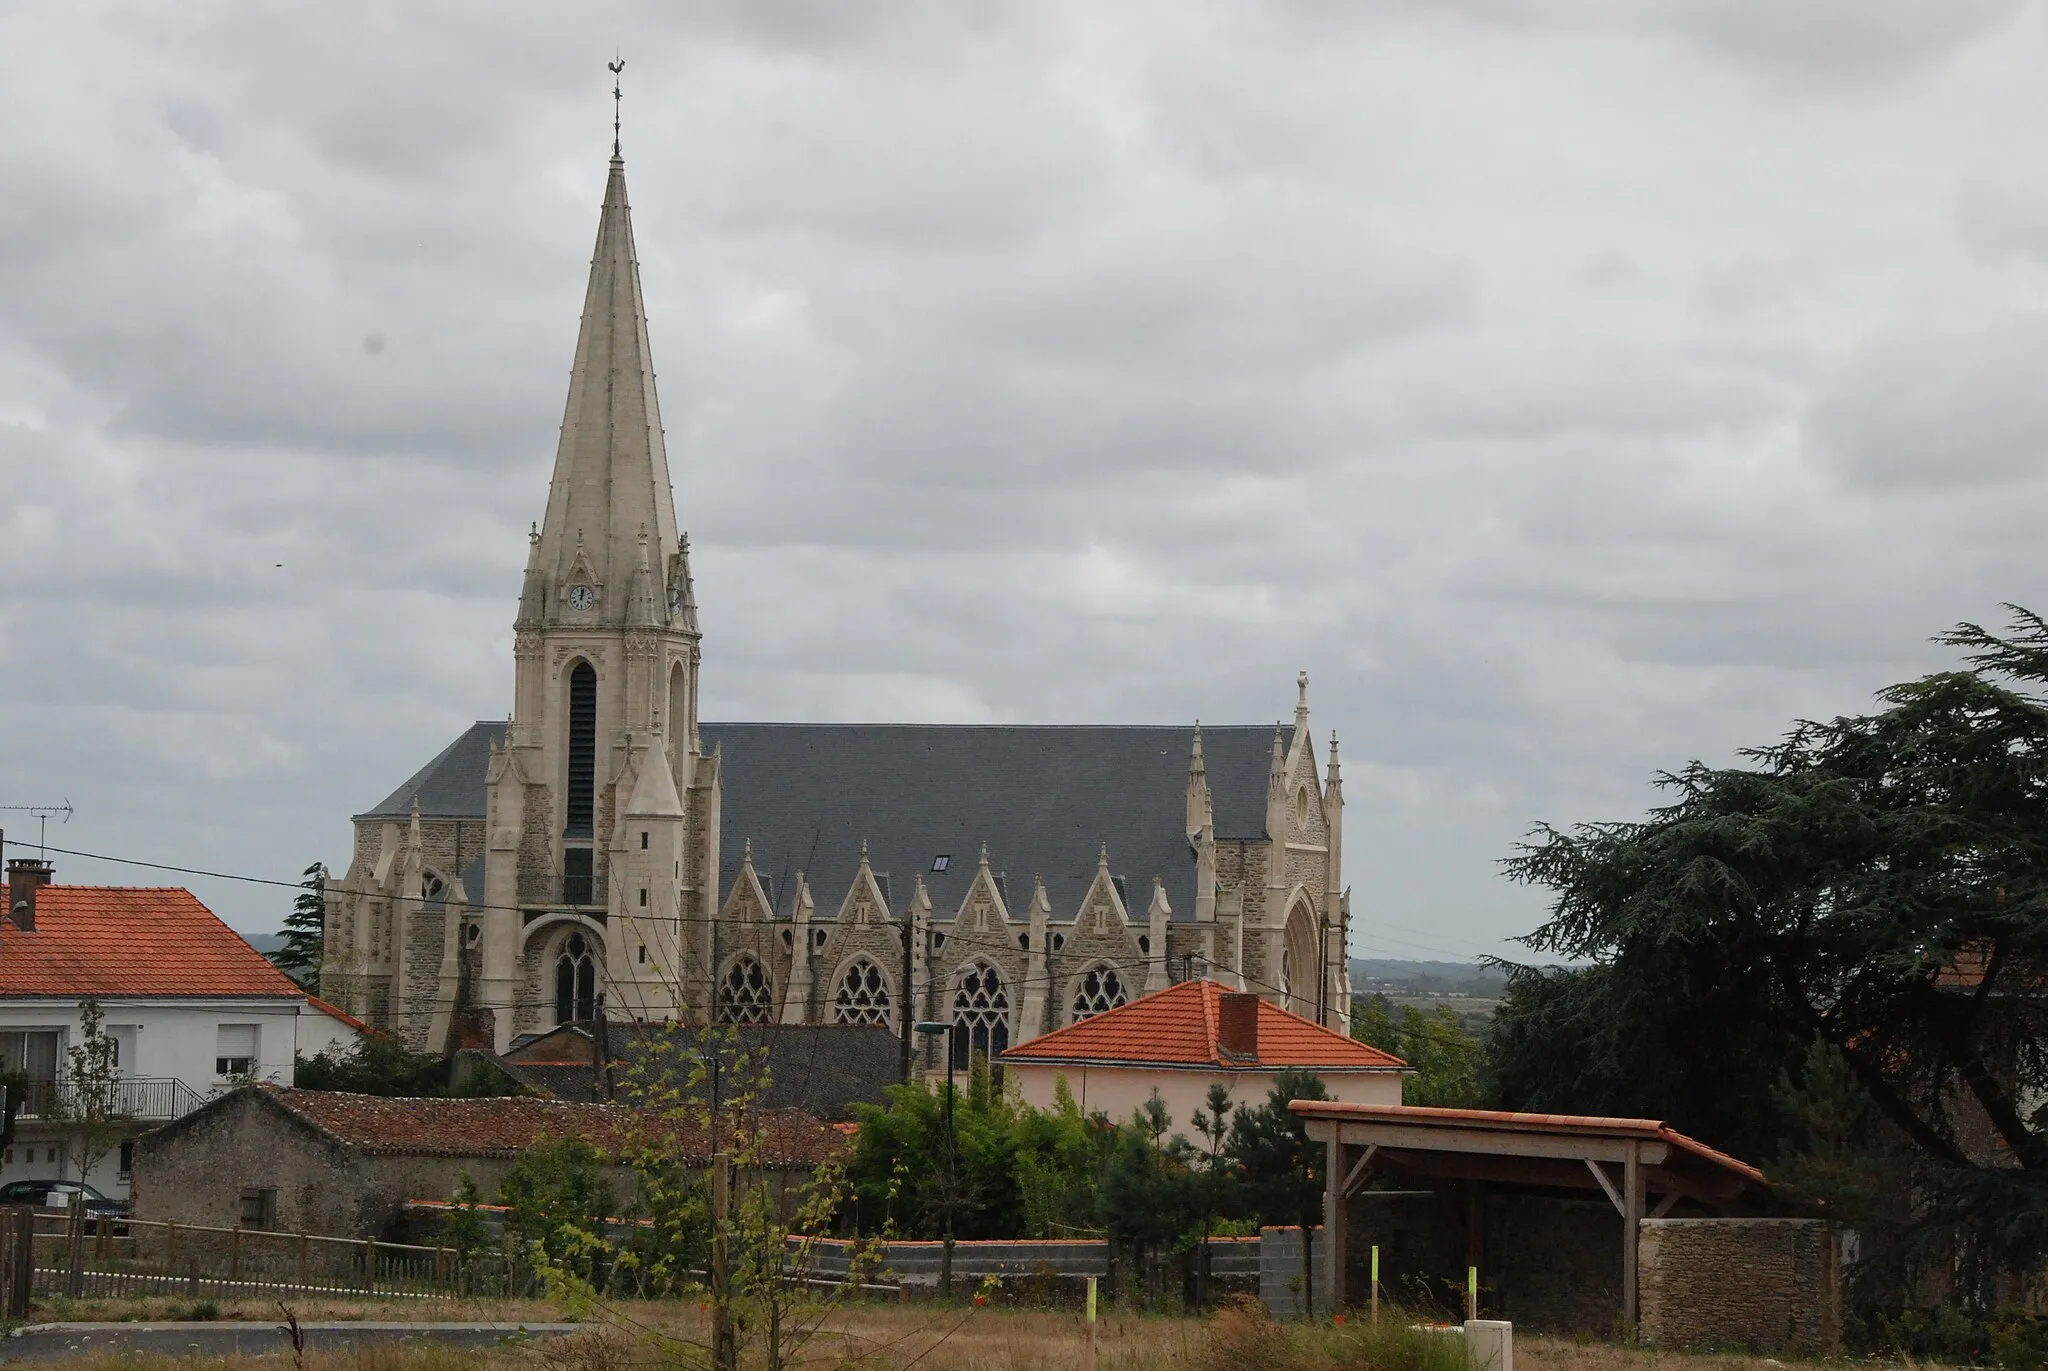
(1498, 1121)
(507, 1124)
(131, 940)
(335, 1012)
(1178, 1027)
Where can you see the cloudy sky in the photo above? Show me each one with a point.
(1571, 387)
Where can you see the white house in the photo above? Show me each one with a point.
(191, 1008)
(1186, 1038)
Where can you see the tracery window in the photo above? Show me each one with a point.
(744, 995)
(981, 1014)
(575, 981)
(1100, 990)
(863, 996)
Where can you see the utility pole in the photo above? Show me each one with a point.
(906, 1008)
(934, 1029)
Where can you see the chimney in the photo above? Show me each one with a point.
(25, 876)
(1237, 1026)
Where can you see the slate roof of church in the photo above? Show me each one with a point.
(1044, 797)
(109, 940)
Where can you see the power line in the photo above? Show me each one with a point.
(680, 920)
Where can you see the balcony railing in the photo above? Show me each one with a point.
(135, 1097)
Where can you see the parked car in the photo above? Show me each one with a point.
(57, 1195)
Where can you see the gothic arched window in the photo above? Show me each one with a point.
(744, 994)
(1100, 990)
(862, 996)
(981, 1014)
(575, 981)
(578, 813)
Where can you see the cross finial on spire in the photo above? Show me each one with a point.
(615, 66)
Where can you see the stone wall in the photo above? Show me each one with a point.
(1767, 1285)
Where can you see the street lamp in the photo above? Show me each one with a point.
(931, 1029)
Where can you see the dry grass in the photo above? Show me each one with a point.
(892, 1338)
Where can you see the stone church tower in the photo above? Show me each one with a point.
(601, 850)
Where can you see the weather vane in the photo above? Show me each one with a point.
(615, 66)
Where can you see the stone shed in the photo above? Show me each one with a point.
(345, 1165)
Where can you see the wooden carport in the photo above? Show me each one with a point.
(1644, 1168)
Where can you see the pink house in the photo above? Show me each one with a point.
(1185, 1038)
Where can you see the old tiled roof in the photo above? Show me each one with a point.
(1556, 1125)
(131, 940)
(1045, 797)
(1178, 1027)
(334, 1012)
(509, 1124)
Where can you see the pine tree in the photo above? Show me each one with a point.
(304, 929)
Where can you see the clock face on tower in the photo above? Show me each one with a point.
(581, 597)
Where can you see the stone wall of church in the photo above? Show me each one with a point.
(537, 879)
(1242, 865)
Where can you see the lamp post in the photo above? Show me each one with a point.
(932, 1029)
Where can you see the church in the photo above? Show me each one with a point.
(603, 851)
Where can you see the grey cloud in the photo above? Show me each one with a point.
(1935, 404)
(1503, 365)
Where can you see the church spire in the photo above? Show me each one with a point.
(611, 478)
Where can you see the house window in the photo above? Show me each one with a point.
(234, 1052)
(127, 1158)
(643, 840)
(259, 1207)
(941, 862)
(31, 1053)
(863, 996)
(643, 899)
(744, 995)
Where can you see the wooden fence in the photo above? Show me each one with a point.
(106, 1257)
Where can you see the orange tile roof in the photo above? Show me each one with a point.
(118, 941)
(1178, 1027)
(335, 1012)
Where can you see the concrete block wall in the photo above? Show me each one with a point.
(1280, 1270)
(1039, 1272)
(1767, 1285)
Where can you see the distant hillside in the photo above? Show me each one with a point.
(267, 943)
(1431, 979)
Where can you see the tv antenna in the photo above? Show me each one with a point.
(42, 814)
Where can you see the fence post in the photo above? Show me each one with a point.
(170, 1246)
(369, 1265)
(440, 1267)
(235, 1254)
(302, 1259)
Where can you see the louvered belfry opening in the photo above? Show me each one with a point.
(582, 752)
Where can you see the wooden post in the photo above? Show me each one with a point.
(1631, 1232)
(1088, 1350)
(170, 1246)
(302, 1259)
(369, 1265)
(235, 1253)
(724, 1347)
(1375, 1285)
(1334, 1216)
